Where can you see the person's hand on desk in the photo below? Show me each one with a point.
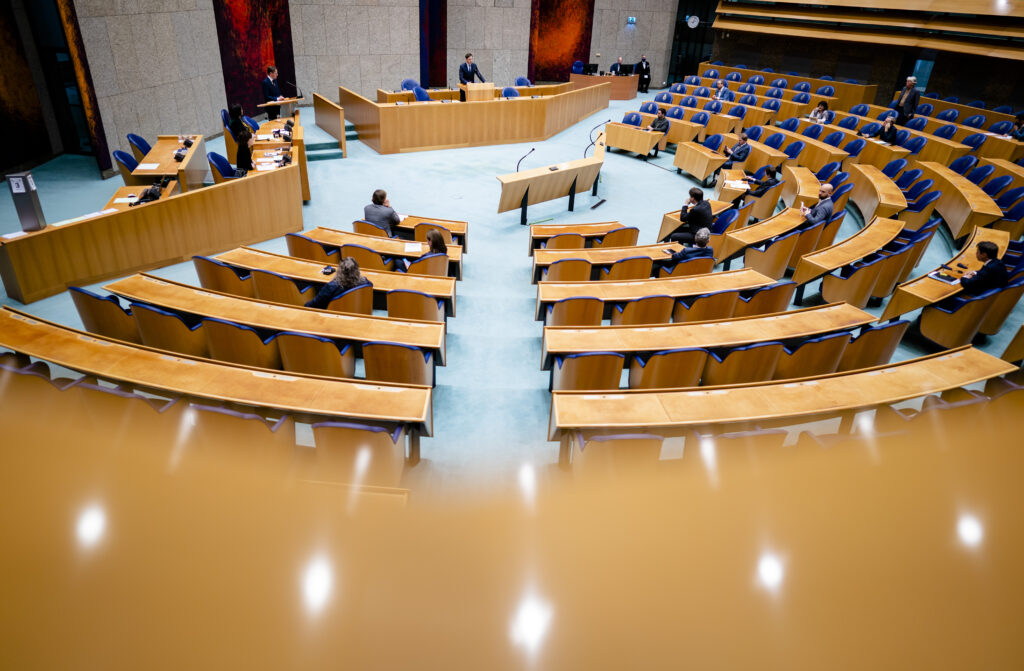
(970, 273)
(280, 97)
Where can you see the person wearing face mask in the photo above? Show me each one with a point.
(643, 68)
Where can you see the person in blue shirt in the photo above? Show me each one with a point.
(700, 249)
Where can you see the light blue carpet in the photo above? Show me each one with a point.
(491, 404)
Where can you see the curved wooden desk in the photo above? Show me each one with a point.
(787, 108)
(762, 90)
(179, 297)
(925, 290)
(963, 205)
(874, 193)
(1004, 167)
(936, 148)
(670, 220)
(677, 287)
(815, 154)
(718, 122)
(146, 368)
(994, 146)
(261, 206)
(679, 130)
(133, 193)
(159, 163)
(542, 232)
(846, 94)
(459, 229)
(671, 413)
(392, 247)
(867, 240)
(622, 87)
(939, 106)
(800, 186)
(736, 241)
(442, 288)
(631, 138)
(600, 256)
(874, 152)
(807, 322)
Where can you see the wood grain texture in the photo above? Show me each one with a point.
(330, 116)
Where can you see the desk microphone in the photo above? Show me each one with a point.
(591, 135)
(297, 89)
(524, 156)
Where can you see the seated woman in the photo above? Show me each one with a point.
(243, 159)
(435, 244)
(235, 123)
(820, 113)
(888, 131)
(347, 277)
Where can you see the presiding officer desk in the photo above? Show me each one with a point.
(145, 368)
(391, 128)
(263, 205)
(384, 96)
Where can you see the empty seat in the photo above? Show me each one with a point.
(993, 186)
(139, 146)
(587, 370)
(632, 268)
(955, 321)
(907, 178)
(949, 115)
(772, 256)
(975, 121)
(1003, 305)
(705, 307)
(219, 276)
(738, 365)
(815, 356)
(126, 164)
(435, 265)
(920, 211)
(765, 300)
(649, 107)
(849, 123)
(813, 131)
(238, 343)
(358, 300)
(946, 132)
(308, 248)
(632, 119)
(645, 310)
(220, 168)
(393, 362)
(565, 241)
(828, 234)
(359, 454)
(697, 266)
(963, 164)
(369, 228)
(834, 138)
(269, 286)
(917, 188)
(667, 369)
(852, 283)
(792, 124)
(917, 123)
(367, 258)
(980, 174)
(874, 346)
(567, 270)
(860, 109)
(619, 237)
(802, 87)
(406, 304)
(575, 311)
(316, 355)
(807, 241)
(104, 315)
(170, 331)
(974, 141)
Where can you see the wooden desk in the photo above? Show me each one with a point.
(392, 128)
(134, 192)
(846, 94)
(159, 162)
(815, 154)
(1004, 167)
(963, 204)
(384, 96)
(537, 185)
(760, 154)
(762, 90)
(925, 290)
(718, 122)
(477, 91)
(330, 117)
(622, 87)
(939, 106)
(241, 211)
(880, 154)
(276, 317)
(1015, 350)
(736, 241)
(787, 108)
(670, 221)
(631, 138)
(297, 146)
(542, 232)
(600, 256)
(995, 146)
(935, 149)
(285, 106)
(627, 290)
(442, 288)
(146, 368)
(867, 240)
(679, 130)
(800, 187)
(697, 161)
(459, 229)
(392, 247)
(672, 413)
(630, 340)
(874, 193)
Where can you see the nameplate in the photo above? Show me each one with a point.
(147, 166)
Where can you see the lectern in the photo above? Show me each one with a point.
(287, 105)
(477, 91)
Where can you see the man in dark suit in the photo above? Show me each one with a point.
(271, 92)
(618, 68)
(822, 211)
(738, 153)
(906, 104)
(992, 275)
(701, 239)
(643, 68)
(467, 72)
(698, 216)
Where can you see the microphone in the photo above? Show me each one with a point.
(524, 156)
(297, 89)
(591, 135)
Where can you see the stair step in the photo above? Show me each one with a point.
(324, 155)
(316, 146)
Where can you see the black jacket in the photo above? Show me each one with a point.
(910, 104)
(992, 275)
(467, 72)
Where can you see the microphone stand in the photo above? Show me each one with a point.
(524, 156)
(593, 140)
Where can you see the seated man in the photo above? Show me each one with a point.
(823, 210)
(992, 275)
(738, 153)
(659, 124)
(700, 239)
(759, 187)
(379, 212)
(695, 215)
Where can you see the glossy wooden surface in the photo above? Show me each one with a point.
(310, 271)
(477, 91)
(846, 94)
(963, 204)
(391, 128)
(738, 240)
(631, 138)
(670, 221)
(787, 107)
(867, 240)
(200, 378)
(807, 322)
(874, 193)
(697, 160)
(544, 183)
(384, 96)
(541, 232)
(261, 206)
(598, 256)
(925, 290)
(994, 146)
(330, 117)
(690, 285)
(815, 153)
(391, 247)
(760, 90)
(134, 192)
(964, 111)
(800, 186)
(1004, 167)
(622, 88)
(679, 130)
(460, 229)
(179, 297)
(671, 412)
(190, 172)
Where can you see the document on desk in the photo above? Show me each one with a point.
(263, 167)
(147, 166)
(736, 184)
(12, 236)
(262, 136)
(413, 247)
(126, 199)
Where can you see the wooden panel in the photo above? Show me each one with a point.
(847, 94)
(364, 115)
(631, 138)
(874, 193)
(800, 187)
(672, 412)
(190, 172)
(330, 116)
(543, 184)
(623, 88)
(867, 240)
(241, 211)
(963, 204)
(738, 240)
(135, 191)
(147, 368)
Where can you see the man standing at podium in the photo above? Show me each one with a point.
(467, 72)
(271, 93)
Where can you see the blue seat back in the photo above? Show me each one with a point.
(692, 80)
(951, 99)
(713, 142)
(932, 94)
(757, 80)
(802, 98)
(925, 109)
(826, 91)
(997, 184)
(664, 97)
(738, 111)
(1001, 127)
(902, 136)
(754, 132)
(924, 201)
(791, 125)
(780, 83)
(1003, 109)
(689, 101)
(915, 145)
(833, 138)
(774, 93)
(421, 94)
(974, 140)
(917, 124)
(860, 109)
(1010, 197)
(712, 74)
(963, 164)
(409, 84)
(139, 143)
(919, 187)
(908, 177)
(632, 119)
(827, 171)
(251, 123)
(577, 68)
(733, 77)
(826, 78)
(768, 70)
(126, 159)
(945, 132)
(813, 131)
(700, 118)
(746, 88)
(975, 120)
(509, 92)
(849, 123)
(839, 178)
(980, 104)
(981, 173)
(222, 165)
(794, 149)
(855, 147)
(772, 105)
(702, 92)
(225, 119)
(802, 87)
(713, 106)
(649, 107)
(724, 220)
(775, 140)
(894, 167)
(678, 87)
(523, 81)
(947, 115)
(748, 99)
(674, 112)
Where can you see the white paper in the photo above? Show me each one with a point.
(263, 167)
(17, 185)
(12, 236)
(127, 199)
(413, 247)
(265, 160)
(261, 136)
(402, 217)
(108, 210)
(148, 166)
(736, 184)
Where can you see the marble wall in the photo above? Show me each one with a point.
(496, 32)
(155, 66)
(362, 45)
(650, 36)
